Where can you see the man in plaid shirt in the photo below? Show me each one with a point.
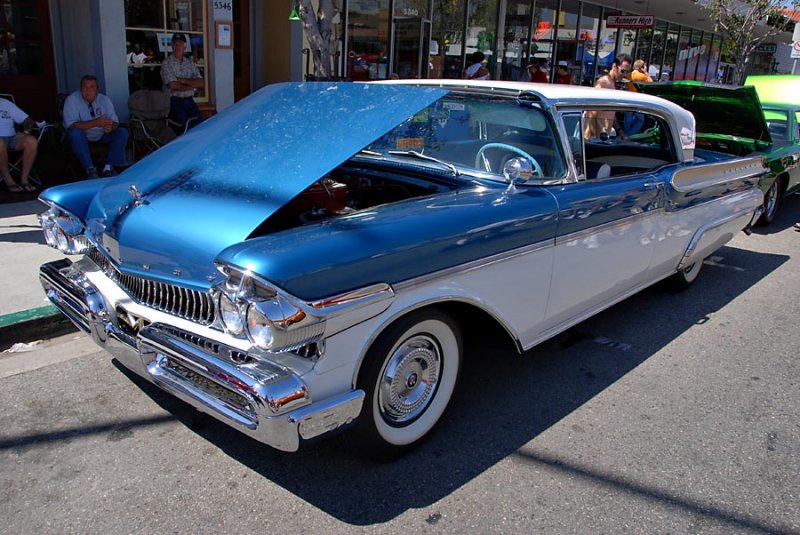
(181, 77)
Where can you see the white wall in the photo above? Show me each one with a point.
(221, 82)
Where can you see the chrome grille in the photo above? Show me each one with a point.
(204, 383)
(210, 346)
(176, 300)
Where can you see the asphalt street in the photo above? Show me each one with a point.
(664, 414)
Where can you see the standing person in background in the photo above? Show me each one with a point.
(476, 70)
(181, 77)
(90, 116)
(562, 73)
(639, 73)
(535, 72)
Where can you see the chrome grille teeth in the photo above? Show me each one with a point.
(176, 300)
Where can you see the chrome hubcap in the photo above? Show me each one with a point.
(772, 199)
(409, 380)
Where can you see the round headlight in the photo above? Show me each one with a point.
(230, 315)
(62, 242)
(260, 328)
(50, 233)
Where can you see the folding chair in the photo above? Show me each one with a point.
(151, 127)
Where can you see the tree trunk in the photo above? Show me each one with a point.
(319, 28)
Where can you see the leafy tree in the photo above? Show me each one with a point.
(737, 21)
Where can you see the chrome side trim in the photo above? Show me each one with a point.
(475, 264)
(707, 228)
(354, 299)
(605, 227)
(692, 178)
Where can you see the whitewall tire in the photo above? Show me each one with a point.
(409, 376)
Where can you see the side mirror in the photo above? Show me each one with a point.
(518, 170)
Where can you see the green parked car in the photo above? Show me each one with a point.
(731, 120)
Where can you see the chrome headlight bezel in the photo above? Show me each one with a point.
(272, 321)
(230, 315)
(64, 231)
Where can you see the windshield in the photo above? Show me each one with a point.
(476, 133)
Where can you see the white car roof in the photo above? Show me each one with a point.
(561, 95)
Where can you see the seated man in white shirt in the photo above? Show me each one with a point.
(11, 140)
(90, 116)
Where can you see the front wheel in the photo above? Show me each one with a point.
(409, 375)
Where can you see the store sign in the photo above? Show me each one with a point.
(693, 52)
(630, 21)
(769, 48)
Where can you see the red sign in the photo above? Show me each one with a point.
(630, 21)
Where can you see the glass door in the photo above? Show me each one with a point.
(411, 38)
(27, 64)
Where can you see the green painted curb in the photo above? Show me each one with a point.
(25, 315)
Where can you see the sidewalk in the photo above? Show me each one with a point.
(25, 312)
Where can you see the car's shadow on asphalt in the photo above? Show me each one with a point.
(503, 401)
(787, 216)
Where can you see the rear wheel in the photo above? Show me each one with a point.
(409, 375)
(684, 278)
(772, 199)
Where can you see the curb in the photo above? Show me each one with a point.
(34, 324)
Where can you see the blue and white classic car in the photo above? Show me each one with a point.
(303, 262)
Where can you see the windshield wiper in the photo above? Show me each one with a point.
(419, 155)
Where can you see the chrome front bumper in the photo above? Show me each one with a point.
(257, 397)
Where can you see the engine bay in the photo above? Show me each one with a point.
(349, 189)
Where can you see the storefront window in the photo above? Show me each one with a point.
(481, 30)
(657, 50)
(567, 45)
(20, 42)
(149, 26)
(695, 53)
(627, 41)
(684, 42)
(703, 59)
(515, 39)
(447, 40)
(671, 53)
(607, 47)
(587, 42)
(643, 42)
(714, 74)
(544, 22)
(368, 40)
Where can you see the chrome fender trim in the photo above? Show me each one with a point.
(715, 234)
(692, 178)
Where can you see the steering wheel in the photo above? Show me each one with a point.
(480, 158)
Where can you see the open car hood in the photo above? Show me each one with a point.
(171, 213)
(730, 111)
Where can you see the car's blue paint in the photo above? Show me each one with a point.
(587, 204)
(74, 198)
(397, 242)
(214, 185)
